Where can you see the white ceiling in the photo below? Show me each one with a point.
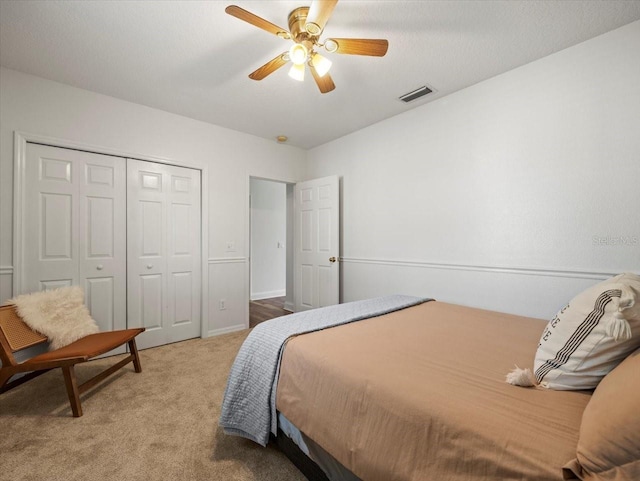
(192, 59)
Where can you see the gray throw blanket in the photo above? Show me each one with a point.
(249, 405)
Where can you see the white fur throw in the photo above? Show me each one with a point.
(59, 314)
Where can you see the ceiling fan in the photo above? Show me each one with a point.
(305, 27)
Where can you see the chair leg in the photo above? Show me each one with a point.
(136, 357)
(4, 377)
(72, 390)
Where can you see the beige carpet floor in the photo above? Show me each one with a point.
(161, 424)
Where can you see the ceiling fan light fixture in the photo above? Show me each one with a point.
(313, 28)
(296, 72)
(298, 54)
(330, 45)
(321, 64)
(306, 24)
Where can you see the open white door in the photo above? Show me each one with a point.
(316, 243)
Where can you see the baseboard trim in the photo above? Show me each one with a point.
(598, 275)
(226, 330)
(289, 306)
(268, 294)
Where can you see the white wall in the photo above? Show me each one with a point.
(268, 239)
(39, 106)
(494, 196)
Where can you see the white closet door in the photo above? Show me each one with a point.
(163, 217)
(75, 228)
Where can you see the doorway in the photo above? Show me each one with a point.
(271, 250)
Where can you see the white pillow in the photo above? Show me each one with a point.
(591, 335)
(59, 314)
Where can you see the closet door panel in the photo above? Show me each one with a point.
(182, 301)
(51, 219)
(100, 294)
(163, 252)
(54, 284)
(75, 228)
(103, 224)
(151, 301)
(150, 229)
(56, 214)
(101, 228)
(146, 251)
(184, 252)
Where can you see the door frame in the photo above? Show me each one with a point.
(247, 256)
(20, 140)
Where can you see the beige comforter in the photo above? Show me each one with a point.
(419, 394)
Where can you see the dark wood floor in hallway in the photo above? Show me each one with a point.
(265, 309)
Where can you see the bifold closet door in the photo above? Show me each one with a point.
(163, 249)
(75, 228)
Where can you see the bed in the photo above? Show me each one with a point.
(419, 393)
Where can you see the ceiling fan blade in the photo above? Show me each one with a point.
(359, 46)
(269, 67)
(325, 83)
(259, 22)
(319, 13)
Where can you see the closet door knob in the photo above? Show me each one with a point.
(149, 266)
(100, 267)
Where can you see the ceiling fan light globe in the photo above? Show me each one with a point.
(321, 64)
(298, 54)
(313, 28)
(296, 72)
(330, 45)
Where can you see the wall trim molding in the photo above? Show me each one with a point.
(226, 330)
(227, 260)
(6, 270)
(574, 274)
(256, 296)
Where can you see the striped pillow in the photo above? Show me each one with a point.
(591, 335)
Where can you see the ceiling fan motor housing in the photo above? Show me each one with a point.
(297, 22)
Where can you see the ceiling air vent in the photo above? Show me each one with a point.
(416, 94)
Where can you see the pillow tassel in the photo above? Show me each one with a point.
(619, 328)
(521, 377)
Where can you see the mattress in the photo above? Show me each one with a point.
(327, 463)
(419, 394)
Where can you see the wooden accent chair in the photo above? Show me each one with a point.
(15, 336)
